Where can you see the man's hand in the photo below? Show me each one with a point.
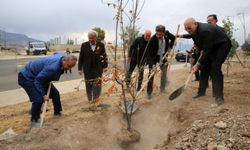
(129, 60)
(105, 69)
(196, 67)
(45, 98)
(178, 36)
(80, 72)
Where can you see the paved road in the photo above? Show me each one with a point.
(9, 72)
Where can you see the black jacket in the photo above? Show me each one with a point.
(138, 51)
(153, 58)
(92, 62)
(207, 37)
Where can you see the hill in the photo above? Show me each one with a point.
(14, 40)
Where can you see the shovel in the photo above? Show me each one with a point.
(45, 106)
(180, 90)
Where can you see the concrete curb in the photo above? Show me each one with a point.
(19, 95)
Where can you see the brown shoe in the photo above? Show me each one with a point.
(97, 102)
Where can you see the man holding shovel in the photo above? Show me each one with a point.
(35, 78)
(159, 44)
(215, 45)
(137, 57)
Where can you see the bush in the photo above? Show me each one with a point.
(246, 47)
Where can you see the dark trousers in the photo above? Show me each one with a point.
(67, 71)
(130, 72)
(197, 73)
(213, 68)
(163, 79)
(37, 99)
(93, 88)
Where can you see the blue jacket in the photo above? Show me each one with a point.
(44, 70)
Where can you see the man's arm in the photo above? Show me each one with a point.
(186, 36)
(206, 44)
(171, 38)
(43, 78)
(80, 60)
(151, 52)
(133, 48)
(104, 58)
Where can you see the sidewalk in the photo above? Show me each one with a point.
(19, 95)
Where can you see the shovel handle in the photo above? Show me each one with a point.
(192, 72)
(188, 79)
(45, 106)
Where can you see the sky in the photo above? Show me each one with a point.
(47, 19)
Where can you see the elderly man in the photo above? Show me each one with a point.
(215, 45)
(137, 56)
(92, 62)
(159, 44)
(35, 78)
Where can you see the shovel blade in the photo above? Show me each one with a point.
(177, 93)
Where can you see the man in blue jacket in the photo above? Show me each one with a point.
(35, 78)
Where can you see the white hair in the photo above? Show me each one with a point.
(69, 57)
(93, 33)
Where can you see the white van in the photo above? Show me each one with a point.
(37, 48)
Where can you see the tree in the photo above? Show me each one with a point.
(130, 34)
(100, 33)
(229, 29)
(246, 46)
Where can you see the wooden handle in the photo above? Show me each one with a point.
(145, 83)
(156, 67)
(188, 79)
(45, 106)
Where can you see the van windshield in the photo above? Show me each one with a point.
(38, 45)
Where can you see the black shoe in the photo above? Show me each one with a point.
(219, 101)
(198, 95)
(35, 123)
(60, 113)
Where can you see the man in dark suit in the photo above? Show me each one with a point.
(215, 45)
(137, 57)
(159, 44)
(212, 19)
(92, 62)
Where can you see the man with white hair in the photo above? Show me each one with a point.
(92, 62)
(215, 45)
(137, 57)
